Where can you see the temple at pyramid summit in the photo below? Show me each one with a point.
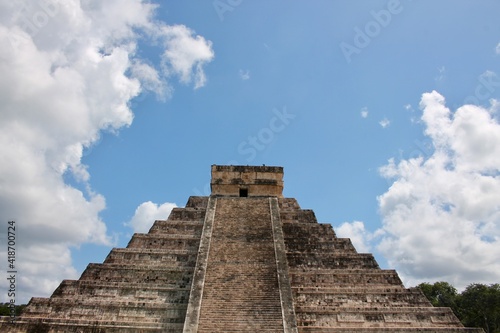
(244, 259)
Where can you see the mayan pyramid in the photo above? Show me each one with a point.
(244, 259)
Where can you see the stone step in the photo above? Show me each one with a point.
(157, 238)
(334, 289)
(107, 303)
(250, 326)
(164, 241)
(314, 329)
(118, 285)
(151, 258)
(320, 246)
(302, 229)
(298, 216)
(303, 236)
(177, 227)
(197, 202)
(315, 260)
(153, 251)
(234, 314)
(79, 290)
(390, 317)
(131, 316)
(38, 324)
(110, 312)
(351, 277)
(292, 243)
(187, 214)
(285, 204)
(339, 271)
(167, 276)
(361, 300)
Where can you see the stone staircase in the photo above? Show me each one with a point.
(144, 287)
(336, 289)
(241, 291)
(244, 259)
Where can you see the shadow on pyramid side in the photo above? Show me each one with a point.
(244, 259)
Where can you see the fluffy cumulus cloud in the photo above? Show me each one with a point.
(184, 54)
(68, 71)
(441, 216)
(147, 213)
(360, 237)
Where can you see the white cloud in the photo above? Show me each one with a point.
(441, 215)
(244, 75)
(497, 49)
(409, 107)
(147, 213)
(364, 112)
(150, 79)
(69, 70)
(384, 122)
(184, 54)
(360, 237)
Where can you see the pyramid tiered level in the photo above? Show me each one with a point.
(244, 259)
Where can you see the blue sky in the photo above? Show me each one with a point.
(384, 115)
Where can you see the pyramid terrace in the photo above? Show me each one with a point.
(244, 259)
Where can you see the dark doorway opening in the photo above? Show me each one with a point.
(243, 192)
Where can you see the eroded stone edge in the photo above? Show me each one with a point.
(287, 308)
(196, 294)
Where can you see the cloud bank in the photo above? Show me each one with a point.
(441, 216)
(69, 70)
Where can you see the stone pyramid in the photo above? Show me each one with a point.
(244, 259)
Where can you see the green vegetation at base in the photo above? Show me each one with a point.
(477, 306)
(5, 309)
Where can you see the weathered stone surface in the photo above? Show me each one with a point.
(246, 181)
(337, 289)
(244, 259)
(142, 288)
(241, 286)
